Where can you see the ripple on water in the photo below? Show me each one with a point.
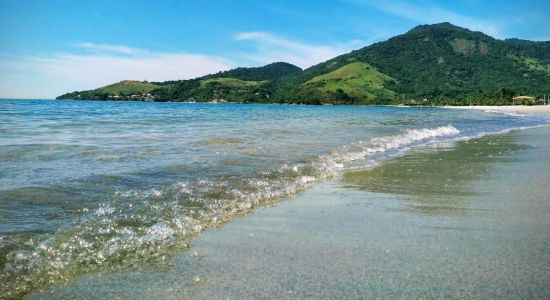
(131, 183)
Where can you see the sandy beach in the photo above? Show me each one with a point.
(521, 109)
(469, 232)
(271, 201)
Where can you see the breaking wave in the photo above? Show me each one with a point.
(136, 227)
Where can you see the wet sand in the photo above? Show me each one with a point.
(522, 109)
(470, 220)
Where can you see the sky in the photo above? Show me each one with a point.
(52, 47)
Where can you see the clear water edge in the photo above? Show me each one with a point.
(383, 232)
(94, 187)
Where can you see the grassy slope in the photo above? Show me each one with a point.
(127, 87)
(356, 79)
(531, 63)
(535, 64)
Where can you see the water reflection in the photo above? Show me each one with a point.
(437, 182)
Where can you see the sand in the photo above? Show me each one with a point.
(471, 221)
(522, 109)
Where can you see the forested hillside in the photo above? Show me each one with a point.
(430, 64)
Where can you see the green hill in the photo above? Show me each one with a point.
(447, 64)
(210, 88)
(240, 84)
(124, 90)
(127, 87)
(359, 80)
(268, 72)
(430, 64)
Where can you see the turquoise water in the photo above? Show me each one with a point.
(91, 187)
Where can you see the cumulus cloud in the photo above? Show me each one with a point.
(100, 64)
(270, 48)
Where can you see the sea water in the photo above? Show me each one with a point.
(89, 187)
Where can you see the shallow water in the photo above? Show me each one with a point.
(355, 238)
(90, 187)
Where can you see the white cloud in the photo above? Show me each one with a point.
(429, 14)
(270, 48)
(105, 48)
(95, 65)
(50, 76)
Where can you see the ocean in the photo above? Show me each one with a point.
(92, 187)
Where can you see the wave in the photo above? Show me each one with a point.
(507, 113)
(361, 150)
(136, 227)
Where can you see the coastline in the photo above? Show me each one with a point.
(520, 109)
(380, 233)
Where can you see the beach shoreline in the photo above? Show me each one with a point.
(520, 109)
(271, 154)
(381, 234)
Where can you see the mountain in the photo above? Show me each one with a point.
(240, 84)
(268, 72)
(430, 64)
(442, 62)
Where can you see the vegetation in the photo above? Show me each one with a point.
(269, 72)
(124, 90)
(358, 80)
(429, 65)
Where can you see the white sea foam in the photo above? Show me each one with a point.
(508, 113)
(156, 221)
(362, 150)
(104, 210)
(411, 136)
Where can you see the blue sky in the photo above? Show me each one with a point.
(52, 47)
